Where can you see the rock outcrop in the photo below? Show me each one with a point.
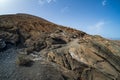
(2, 44)
(43, 50)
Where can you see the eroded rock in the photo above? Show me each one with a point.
(46, 51)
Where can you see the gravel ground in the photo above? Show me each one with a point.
(7, 63)
(40, 70)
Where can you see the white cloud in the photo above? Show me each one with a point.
(51, 1)
(41, 2)
(96, 28)
(99, 25)
(65, 9)
(104, 2)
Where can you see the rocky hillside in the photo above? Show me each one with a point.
(32, 48)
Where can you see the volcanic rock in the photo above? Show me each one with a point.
(2, 44)
(47, 51)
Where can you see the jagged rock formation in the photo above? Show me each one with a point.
(35, 49)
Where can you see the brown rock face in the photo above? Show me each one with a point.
(36, 49)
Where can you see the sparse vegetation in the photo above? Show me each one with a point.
(24, 60)
(59, 53)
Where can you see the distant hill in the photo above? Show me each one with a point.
(114, 38)
(32, 48)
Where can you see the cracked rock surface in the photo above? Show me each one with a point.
(32, 48)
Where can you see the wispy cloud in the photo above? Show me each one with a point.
(41, 2)
(104, 2)
(99, 25)
(96, 28)
(51, 1)
(65, 9)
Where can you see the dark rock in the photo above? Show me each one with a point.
(2, 44)
(58, 41)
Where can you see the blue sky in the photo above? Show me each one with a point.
(101, 17)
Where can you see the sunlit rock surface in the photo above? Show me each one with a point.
(32, 48)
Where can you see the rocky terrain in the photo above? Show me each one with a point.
(32, 48)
